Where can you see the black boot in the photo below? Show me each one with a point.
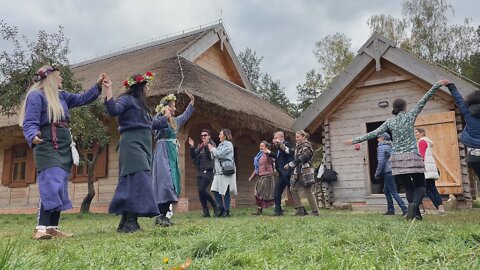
(161, 220)
(122, 222)
(131, 225)
(221, 212)
(206, 212)
(227, 213)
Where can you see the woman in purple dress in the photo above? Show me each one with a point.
(45, 120)
(133, 196)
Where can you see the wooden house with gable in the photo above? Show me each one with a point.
(360, 99)
(206, 64)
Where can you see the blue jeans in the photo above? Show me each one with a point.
(432, 192)
(225, 201)
(390, 189)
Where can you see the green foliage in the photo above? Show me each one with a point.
(335, 240)
(424, 31)
(17, 67)
(251, 66)
(333, 54)
(22, 60)
(310, 89)
(262, 83)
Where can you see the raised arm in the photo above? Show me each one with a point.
(115, 108)
(77, 100)
(183, 118)
(458, 99)
(423, 101)
(222, 152)
(31, 122)
(373, 134)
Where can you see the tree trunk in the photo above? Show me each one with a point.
(85, 207)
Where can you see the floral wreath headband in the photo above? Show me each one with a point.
(43, 73)
(139, 79)
(164, 102)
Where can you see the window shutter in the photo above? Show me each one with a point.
(101, 166)
(31, 170)
(7, 167)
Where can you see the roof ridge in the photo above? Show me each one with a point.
(151, 43)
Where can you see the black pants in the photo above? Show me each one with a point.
(203, 181)
(48, 217)
(414, 184)
(475, 167)
(163, 208)
(282, 183)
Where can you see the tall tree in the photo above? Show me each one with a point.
(333, 53)
(251, 66)
(310, 89)
(272, 91)
(424, 30)
(262, 83)
(17, 67)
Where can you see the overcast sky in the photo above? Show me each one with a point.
(283, 32)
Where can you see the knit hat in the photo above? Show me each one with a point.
(385, 136)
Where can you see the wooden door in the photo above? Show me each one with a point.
(441, 129)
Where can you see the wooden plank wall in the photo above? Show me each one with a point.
(217, 61)
(348, 121)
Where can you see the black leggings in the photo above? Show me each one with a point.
(414, 184)
(48, 217)
(164, 208)
(203, 193)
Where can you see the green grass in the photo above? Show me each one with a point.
(336, 240)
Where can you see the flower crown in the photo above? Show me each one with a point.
(164, 102)
(43, 73)
(139, 79)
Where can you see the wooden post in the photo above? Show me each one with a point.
(466, 176)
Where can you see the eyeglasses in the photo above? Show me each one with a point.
(204, 135)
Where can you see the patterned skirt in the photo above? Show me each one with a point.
(405, 163)
(264, 191)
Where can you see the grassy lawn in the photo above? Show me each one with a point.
(336, 240)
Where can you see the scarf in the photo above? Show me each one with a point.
(256, 161)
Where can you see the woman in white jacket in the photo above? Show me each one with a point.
(425, 146)
(223, 184)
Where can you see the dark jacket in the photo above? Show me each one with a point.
(283, 156)
(471, 133)
(383, 155)
(202, 159)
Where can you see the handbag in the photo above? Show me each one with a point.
(228, 167)
(329, 176)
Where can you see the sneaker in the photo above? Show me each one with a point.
(404, 213)
(442, 213)
(41, 235)
(417, 217)
(277, 214)
(57, 233)
(388, 213)
(161, 220)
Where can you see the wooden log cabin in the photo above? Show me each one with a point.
(360, 100)
(211, 71)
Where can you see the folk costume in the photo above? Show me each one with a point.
(134, 194)
(53, 157)
(166, 171)
(303, 178)
(265, 186)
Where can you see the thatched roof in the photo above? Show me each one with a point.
(215, 96)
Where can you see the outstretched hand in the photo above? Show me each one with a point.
(191, 142)
(190, 96)
(444, 82)
(101, 78)
(348, 142)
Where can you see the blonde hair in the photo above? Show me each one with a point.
(50, 89)
(303, 133)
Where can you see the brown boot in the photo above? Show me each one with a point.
(258, 213)
(41, 235)
(57, 233)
